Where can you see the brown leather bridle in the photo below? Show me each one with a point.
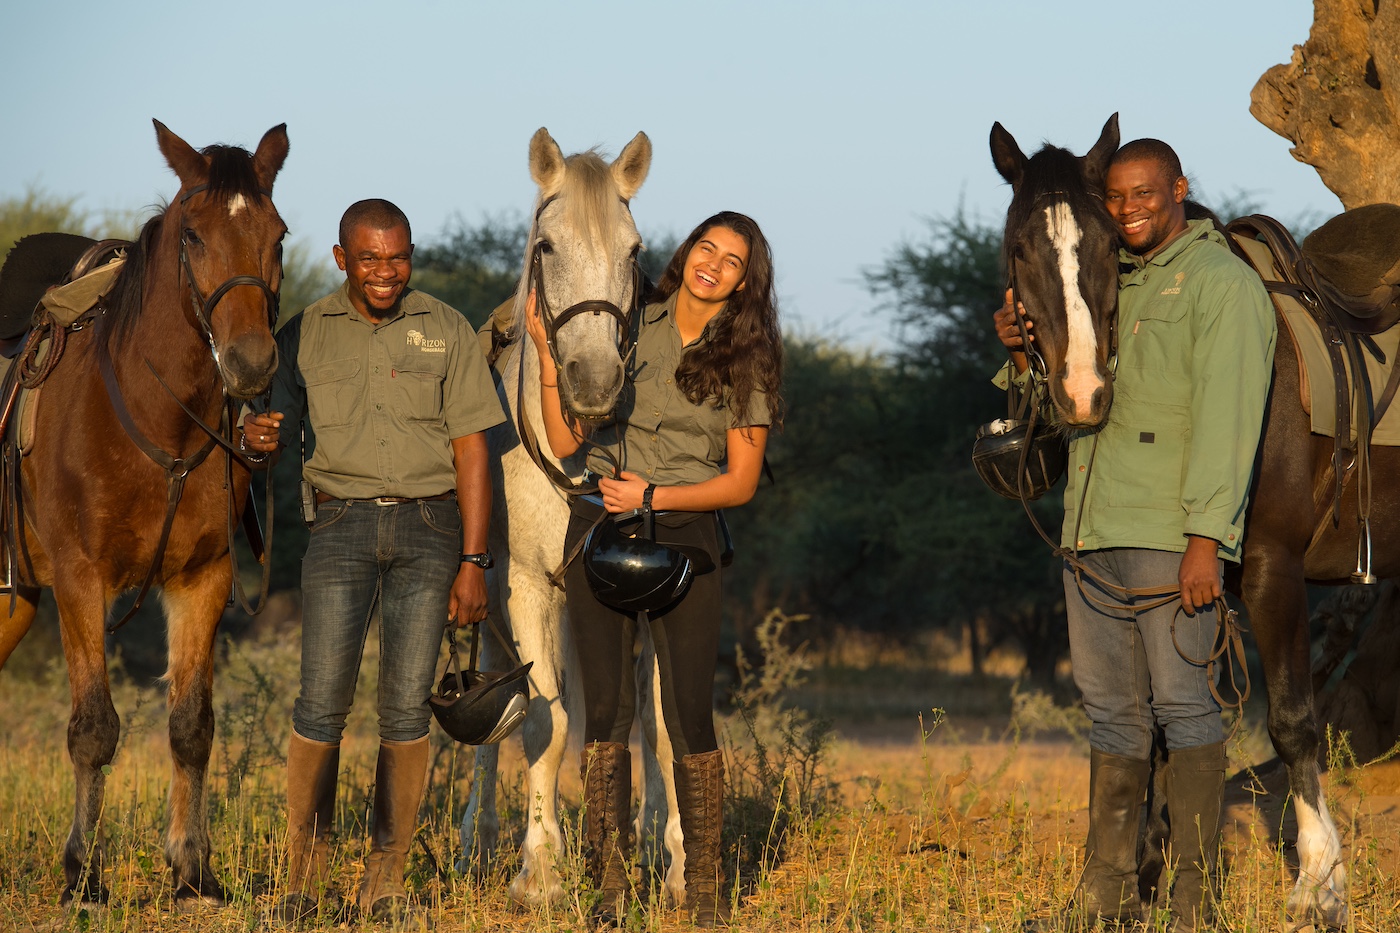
(204, 307)
(552, 322)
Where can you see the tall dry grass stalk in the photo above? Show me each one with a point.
(823, 833)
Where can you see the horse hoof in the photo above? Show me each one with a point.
(528, 891)
(85, 896)
(1321, 907)
(190, 898)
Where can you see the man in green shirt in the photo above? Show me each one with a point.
(396, 396)
(1165, 507)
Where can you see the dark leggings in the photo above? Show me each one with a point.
(686, 636)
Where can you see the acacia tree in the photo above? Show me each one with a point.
(1338, 100)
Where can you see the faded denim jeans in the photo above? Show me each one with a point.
(401, 558)
(1126, 665)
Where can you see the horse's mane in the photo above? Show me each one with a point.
(591, 206)
(124, 301)
(230, 174)
(1051, 170)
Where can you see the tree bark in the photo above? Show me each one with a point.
(1338, 100)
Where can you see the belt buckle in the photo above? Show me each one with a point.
(382, 501)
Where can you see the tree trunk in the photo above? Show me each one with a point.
(1338, 100)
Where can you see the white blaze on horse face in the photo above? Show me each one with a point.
(236, 205)
(1081, 379)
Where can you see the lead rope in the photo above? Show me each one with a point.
(1228, 644)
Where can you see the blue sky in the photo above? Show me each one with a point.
(841, 127)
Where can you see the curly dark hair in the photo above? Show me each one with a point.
(745, 351)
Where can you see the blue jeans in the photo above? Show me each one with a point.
(402, 558)
(1126, 663)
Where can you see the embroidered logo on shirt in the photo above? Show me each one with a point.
(426, 344)
(1175, 289)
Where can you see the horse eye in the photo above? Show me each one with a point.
(192, 238)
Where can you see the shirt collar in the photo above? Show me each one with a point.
(653, 313)
(1202, 229)
(340, 305)
(667, 308)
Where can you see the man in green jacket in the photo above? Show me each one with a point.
(1163, 506)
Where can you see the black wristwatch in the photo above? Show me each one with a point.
(482, 560)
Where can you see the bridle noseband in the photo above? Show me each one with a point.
(204, 307)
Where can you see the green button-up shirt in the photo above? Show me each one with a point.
(383, 401)
(1196, 337)
(660, 434)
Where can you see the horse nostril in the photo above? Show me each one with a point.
(570, 374)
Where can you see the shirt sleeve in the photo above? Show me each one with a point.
(469, 400)
(288, 392)
(757, 414)
(1232, 359)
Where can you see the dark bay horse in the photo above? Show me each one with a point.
(1291, 538)
(187, 326)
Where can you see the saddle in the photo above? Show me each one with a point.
(48, 284)
(1342, 286)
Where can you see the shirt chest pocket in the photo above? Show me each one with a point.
(1161, 338)
(415, 385)
(332, 392)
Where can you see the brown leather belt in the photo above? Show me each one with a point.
(323, 497)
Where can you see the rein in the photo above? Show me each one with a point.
(1228, 641)
(177, 469)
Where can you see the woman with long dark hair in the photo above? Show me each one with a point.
(688, 440)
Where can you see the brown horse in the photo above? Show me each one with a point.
(187, 326)
(1291, 537)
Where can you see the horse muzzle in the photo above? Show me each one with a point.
(247, 366)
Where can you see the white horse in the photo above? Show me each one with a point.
(581, 251)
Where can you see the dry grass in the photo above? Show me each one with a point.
(962, 821)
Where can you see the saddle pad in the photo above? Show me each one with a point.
(68, 302)
(1316, 385)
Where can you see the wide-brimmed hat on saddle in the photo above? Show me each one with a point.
(33, 265)
(1358, 251)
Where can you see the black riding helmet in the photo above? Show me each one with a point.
(1006, 448)
(632, 573)
(479, 707)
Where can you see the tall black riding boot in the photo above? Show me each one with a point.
(607, 827)
(700, 800)
(1117, 789)
(1195, 796)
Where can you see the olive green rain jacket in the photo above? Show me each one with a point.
(1196, 335)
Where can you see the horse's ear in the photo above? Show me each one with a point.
(1096, 159)
(546, 162)
(1007, 156)
(630, 169)
(272, 152)
(187, 164)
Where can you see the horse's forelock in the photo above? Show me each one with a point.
(1051, 170)
(231, 173)
(591, 202)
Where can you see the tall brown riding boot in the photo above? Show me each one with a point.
(311, 778)
(607, 827)
(1195, 796)
(398, 790)
(700, 800)
(1117, 789)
